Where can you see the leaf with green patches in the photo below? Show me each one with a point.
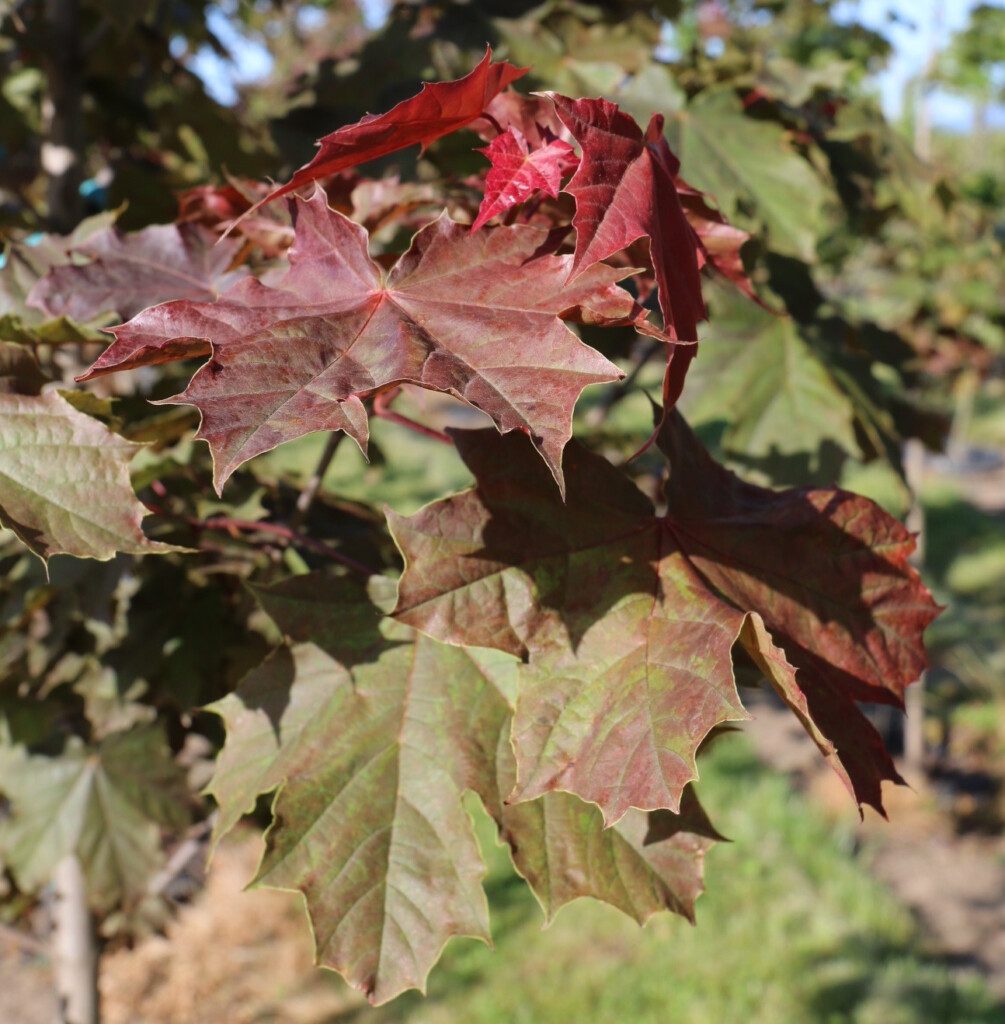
(628, 619)
(64, 481)
(370, 737)
(105, 804)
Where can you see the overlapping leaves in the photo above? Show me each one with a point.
(371, 734)
(629, 619)
(476, 315)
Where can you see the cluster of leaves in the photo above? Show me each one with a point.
(568, 632)
(557, 644)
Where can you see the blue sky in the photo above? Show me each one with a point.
(911, 25)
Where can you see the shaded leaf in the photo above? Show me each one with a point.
(20, 373)
(628, 619)
(107, 805)
(129, 272)
(743, 162)
(771, 387)
(474, 315)
(371, 739)
(64, 481)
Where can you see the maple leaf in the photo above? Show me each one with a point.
(624, 190)
(772, 386)
(628, 619)
(370, 735)
(518, 171)
(106, 804)
(534, 116)
(129, 272)
(64, 481)
(786, 193)
(721, 241)
(439, 109)
(474, 315)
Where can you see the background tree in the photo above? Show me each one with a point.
(109, 666)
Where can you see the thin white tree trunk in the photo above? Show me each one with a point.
(914, 699)
(75, 947)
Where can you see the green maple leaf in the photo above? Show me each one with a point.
(105, 804)
(370, 735)
(745, 163)
(64, 481)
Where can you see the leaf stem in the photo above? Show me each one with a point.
(287, 533)
(306, 497)
(382, 410)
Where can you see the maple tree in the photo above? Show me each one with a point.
(560, 638)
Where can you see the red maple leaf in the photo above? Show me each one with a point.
(479, 316)
(721, 241)
(439, 109)
(624, 190)
(628, 619)
(518, 171)
(128, 272)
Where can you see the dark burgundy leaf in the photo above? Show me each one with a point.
(628, 619)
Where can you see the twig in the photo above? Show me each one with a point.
(179, 860)
(596, 415)
(306, 497)
(278, 530)
(382, 410)
(230, 525)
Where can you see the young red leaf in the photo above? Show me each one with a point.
(129, 272)
(474, 315)
(624, 190)
(439, 109)
(535, 116)
(628, 619)
(518, 171)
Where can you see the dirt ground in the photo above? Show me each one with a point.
(229, 956)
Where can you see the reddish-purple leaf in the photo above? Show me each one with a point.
(129, 272)
(624, 190)
(535, 116)
(518, 171)
(474, 315)
(829, 573)
(628, 619)
(439, 109)
(371, 735)
(721, 242)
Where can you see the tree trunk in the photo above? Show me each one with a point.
(75, 947)
(914, 698)
(62, 151)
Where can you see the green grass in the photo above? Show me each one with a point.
(791, 930)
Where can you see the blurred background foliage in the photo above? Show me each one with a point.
(880, 274)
